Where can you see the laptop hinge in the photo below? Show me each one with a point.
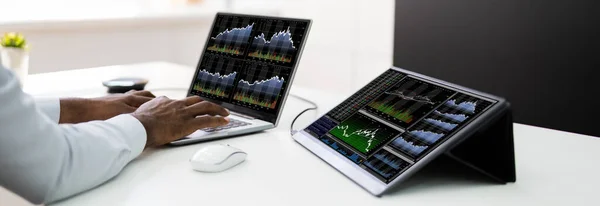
(242, 115)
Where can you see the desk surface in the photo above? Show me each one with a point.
(553, 167)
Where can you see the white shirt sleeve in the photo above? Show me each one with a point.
(43, 161)
(50, 107)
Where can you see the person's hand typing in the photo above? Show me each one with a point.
(77, 110)
(166, 120)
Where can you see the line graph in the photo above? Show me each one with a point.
(363, 133)
(407, 101)
(216, 77)
(261, 86)
(277, 41)
(410, 97)
(411, 148)
(276, 48)
(369, 92)
(214, 83)
(404, 115)
(273, 85)
(468, 107)
(441, 124)
(427, 136)
(386, 164)
(465, 104)
(230, 35)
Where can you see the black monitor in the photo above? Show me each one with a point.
(542, 55)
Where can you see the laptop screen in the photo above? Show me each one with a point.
(249, 62)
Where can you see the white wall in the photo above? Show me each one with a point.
(350, 41)
(349, 44)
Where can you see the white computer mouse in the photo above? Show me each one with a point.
(216, 158)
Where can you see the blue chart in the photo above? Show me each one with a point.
(261, 86)
(408, 147)
(270, 87)
(277, 48)
(215, 83)
(441, 124)
(216, 77)
(454, 117)
(321, 126)
(393, 162)
(426, 136)
(277, 41)
(347, 153)
(438, 125)
(468, 107)
(230, 35)
(386, 164)
(457, 110)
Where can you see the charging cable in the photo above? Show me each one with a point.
(314, 107)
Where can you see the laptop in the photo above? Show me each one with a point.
(399, 122)
(247, 66)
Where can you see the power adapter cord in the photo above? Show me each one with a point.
(314, 107)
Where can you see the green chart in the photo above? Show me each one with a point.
(363, 133)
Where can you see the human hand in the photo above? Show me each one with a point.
(76, 110)
(167, 120)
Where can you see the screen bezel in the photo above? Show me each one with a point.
(272, 118)
(374, 185)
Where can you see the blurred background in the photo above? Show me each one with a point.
(350, 40)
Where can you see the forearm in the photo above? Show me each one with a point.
(43, 161)
(76, 110)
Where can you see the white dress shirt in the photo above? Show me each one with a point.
(43, 161)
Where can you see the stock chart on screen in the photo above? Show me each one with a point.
(216, 76)
(408, 101)
(276, 41)
(394, 121)
(260, 86)
(230, 35)
(363, 133)
(248, 60)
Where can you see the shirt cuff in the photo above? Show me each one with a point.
(50, 107)
(135, 133)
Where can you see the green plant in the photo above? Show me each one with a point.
(14, 40)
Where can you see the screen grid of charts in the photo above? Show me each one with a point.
(249, 60)
(394, 121)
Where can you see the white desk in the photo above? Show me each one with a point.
(553, 167)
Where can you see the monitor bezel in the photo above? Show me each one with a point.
(374, 185)
(272, 118)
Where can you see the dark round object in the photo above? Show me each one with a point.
(122, 85)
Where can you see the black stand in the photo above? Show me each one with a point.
(490, 150)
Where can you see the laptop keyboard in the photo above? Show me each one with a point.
(233, 123)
